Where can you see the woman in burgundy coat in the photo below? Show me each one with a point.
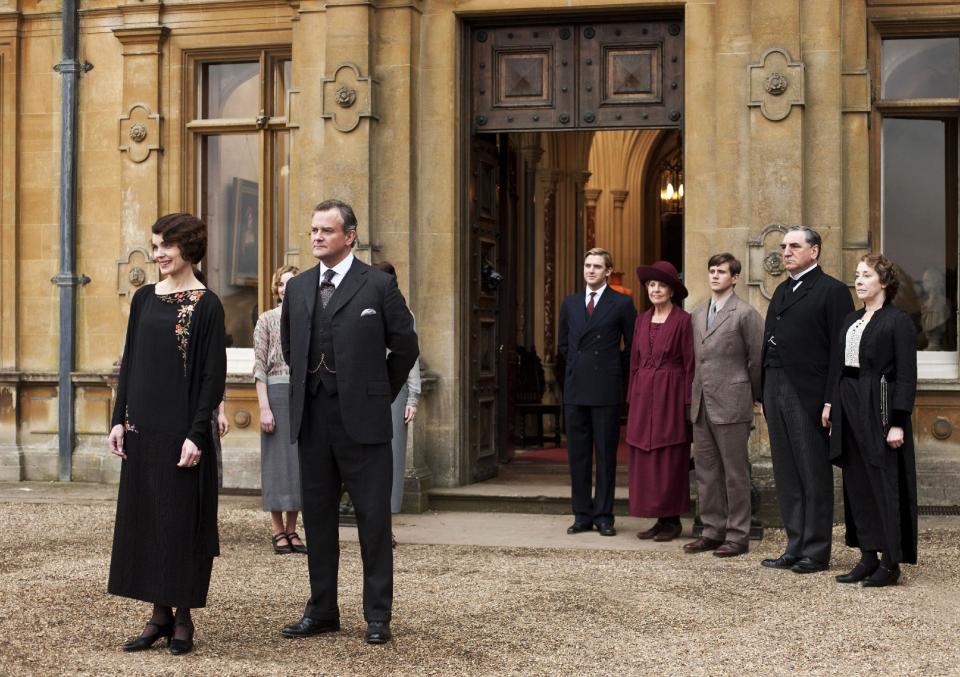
(661, 378)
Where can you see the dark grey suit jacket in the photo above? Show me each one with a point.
(369, 315)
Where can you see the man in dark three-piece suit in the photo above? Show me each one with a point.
(799, 355)
(595, 334)
(338, 321)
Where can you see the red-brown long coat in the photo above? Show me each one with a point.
(661, 380)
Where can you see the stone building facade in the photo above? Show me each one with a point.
(483, 144)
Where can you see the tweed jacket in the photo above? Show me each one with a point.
(727, 362)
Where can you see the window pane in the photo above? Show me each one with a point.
(230, 90)
(923, 68)
(916, 234)
(229, 204)
(281, 86)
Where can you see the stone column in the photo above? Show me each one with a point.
(140, 142)
(590, 197)
(619, 197)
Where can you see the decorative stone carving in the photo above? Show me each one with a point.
(764, 262)
(242, 418)
(135, 270)
(138, 132)
(137, 127)
(776, 84)
(942, 428)
(346, 88)
(776, 75)
(346, 96)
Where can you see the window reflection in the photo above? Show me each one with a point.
(230, 90)
(922, 68)
(919, 231)
(230, 195)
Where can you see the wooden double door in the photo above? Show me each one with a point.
(534, 76)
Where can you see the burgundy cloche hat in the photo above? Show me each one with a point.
(663, 271)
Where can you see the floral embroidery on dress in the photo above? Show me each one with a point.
(127, 425)
(187, 300)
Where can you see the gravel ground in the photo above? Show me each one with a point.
(466, 610)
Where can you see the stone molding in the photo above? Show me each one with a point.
(855, 91)
(139, 133)
(764, 262)
(135, 270)
(348, 97)
(776, 84)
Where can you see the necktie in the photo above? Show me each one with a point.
(711, 315)
(326, 287)
(590, 304)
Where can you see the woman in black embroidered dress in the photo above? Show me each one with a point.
(172, 379)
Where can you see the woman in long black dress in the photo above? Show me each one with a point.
(172, 379)
(871, 437)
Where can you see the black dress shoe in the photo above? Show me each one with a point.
(859, 572)
(378, 632)
(307, 627)
(784, 561)
(141, 643)
(178, 647)
(883, 577)
(577, 528)
(606, 530)
(808, 565)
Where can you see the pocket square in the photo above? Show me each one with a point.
(367, 312)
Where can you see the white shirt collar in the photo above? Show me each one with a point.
(796, 277)
(596, 299)
(340, 269)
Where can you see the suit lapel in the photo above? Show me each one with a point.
(312, 280)
(601, 308)
(355, 278)
(809, 282)
(722, 315)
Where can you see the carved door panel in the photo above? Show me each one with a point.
(484, 343)
(579, 75)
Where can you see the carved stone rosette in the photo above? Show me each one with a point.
(139, 132)
(135, 270)
(776, 84)
(348, 97)
(764, 262)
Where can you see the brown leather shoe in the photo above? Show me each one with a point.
(668, 532)
(702, 544)
(731, 549)
(651, 532)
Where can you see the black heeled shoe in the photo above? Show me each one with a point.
(861, 572)
(883, 577)
(281, 549)
(178, 647)
(301, 549)
(141, 643)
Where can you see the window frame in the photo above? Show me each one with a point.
(267, 125)
(930, 366)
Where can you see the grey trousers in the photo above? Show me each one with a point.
(801, 469)
(399, 449)
(722, 468)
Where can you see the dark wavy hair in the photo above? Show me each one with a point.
(185, 231)
(886, 271)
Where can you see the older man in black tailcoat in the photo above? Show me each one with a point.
(799, 356)
(339, 319)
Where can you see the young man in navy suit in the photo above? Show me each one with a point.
(596, 331)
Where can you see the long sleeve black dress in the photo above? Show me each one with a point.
(172, 378)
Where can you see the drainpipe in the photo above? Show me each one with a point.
(67, 280)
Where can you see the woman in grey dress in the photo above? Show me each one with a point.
(404, 410)
(279, 460)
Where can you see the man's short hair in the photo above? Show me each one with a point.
(811, 236)
(725, 257)
(347, 217)
(597, 251)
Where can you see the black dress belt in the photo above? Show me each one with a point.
(850, 372)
